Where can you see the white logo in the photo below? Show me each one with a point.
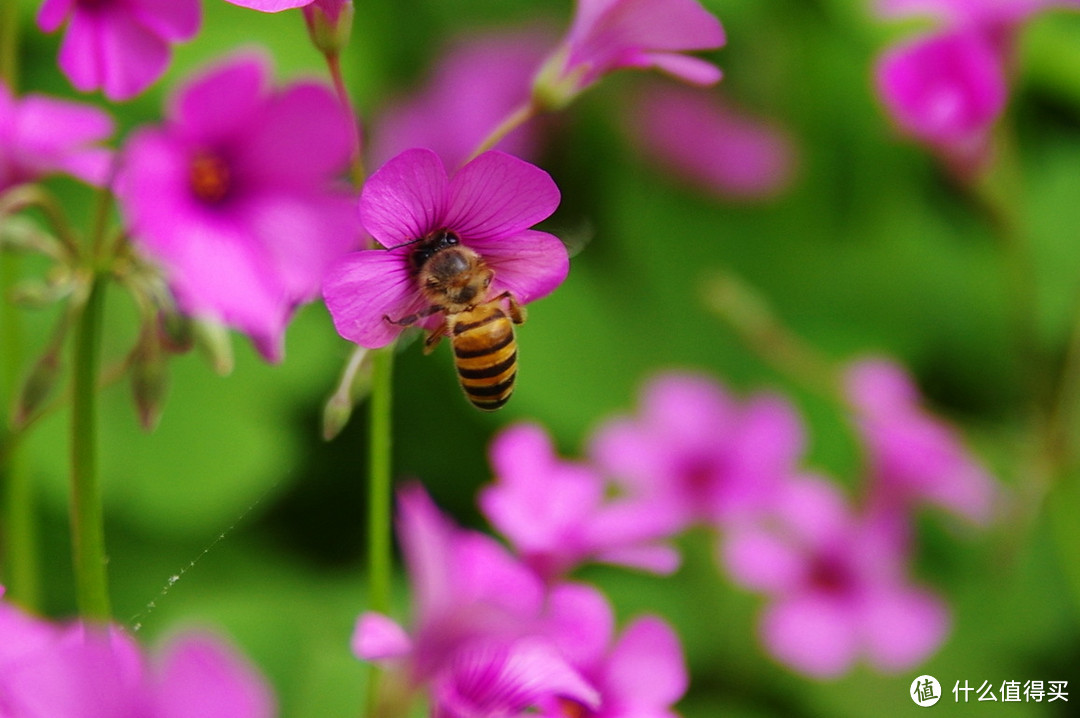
(925, 691)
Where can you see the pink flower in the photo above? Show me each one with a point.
(712, 143)
(476, 84)
(330, 6)
(77, 671)
(118, 46)
(641, 674)
(913, 456)
(838, 588)
(478, 644)
(236, 199)
(946, 90)
(694, 454)
(607, 35)
(556, 513)
(41, 135)
(488, 206)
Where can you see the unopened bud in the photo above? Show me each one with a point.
(20, 234)
(149, 379)
(354, 385)
(216, 345)
(36, 294)
(329, 24)
(37, 388)
(175, 331)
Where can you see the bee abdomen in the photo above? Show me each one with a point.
(485, 353)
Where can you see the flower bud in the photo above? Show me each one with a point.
(20, 234)
(329, 24)
(175, 331)
(38, 387)
(149, 378)
(354, 385)
(213, 339)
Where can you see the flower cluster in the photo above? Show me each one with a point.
(79, 670)
(949, 87)
(490, 638)
(835, 573)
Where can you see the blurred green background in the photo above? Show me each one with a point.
(872, 249)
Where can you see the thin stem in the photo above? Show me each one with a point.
(9, 44)
(356, 160)
(19, 541)
(379, 502)
(517, 117)
(87, 522)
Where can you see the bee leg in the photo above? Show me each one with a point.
(410, 319)
(516, 311)
(434, 337)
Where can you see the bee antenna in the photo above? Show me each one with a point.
(406, 244)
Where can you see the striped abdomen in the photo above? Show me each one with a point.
(485, 353)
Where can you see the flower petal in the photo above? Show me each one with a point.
(646, 668)
(171, 19)
(53, 13)
(581, 623)
(201, 677)
(498, 195)
(378, 638)
(529, 265)
(693, 70)
(80, 54)
(363, 288)
(761, 561)
(132, 56)
(811, 634)
(903, 627)
(301, 139)
(223, 101)
(271, 5)
(405, 199)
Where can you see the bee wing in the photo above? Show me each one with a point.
(577, 237)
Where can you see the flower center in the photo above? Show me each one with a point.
(832, 575)
(210, 177)
(572, 709)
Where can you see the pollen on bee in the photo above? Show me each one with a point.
(210, 177)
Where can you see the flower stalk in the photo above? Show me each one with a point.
(515, 119)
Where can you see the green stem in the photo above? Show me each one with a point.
(379, 502)
(517, 117)
(87, 521)
(356, 160)
(9, 44)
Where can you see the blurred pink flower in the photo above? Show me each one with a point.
(913, 455)
(118, 46)
(331, 9)
(706, 140)
(476, 84)
(838, 587)
(608, 35)
(695, 454)
(479, 641)
(557, 515)
(76, 671)
(41, 135)
(236, 197)
(487, 206)
(639, 675)
(946, 90)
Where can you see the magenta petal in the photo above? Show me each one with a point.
(81, 57)
(132, 56)
(53, 13)
(271, 5)
(378, 638)
(903, 627)
(498, 195)
(301, 138)
(813, 635)
(51, 133)
(529, 265)
(761, 561)
(203, 678)
(581, 623)
(171, 19)
(946, 89)
(405, 199)
(222, 102)
(646, 668)
(688, 69)
(363, 288)
(660, 559)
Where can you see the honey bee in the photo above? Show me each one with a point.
(455, 281)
